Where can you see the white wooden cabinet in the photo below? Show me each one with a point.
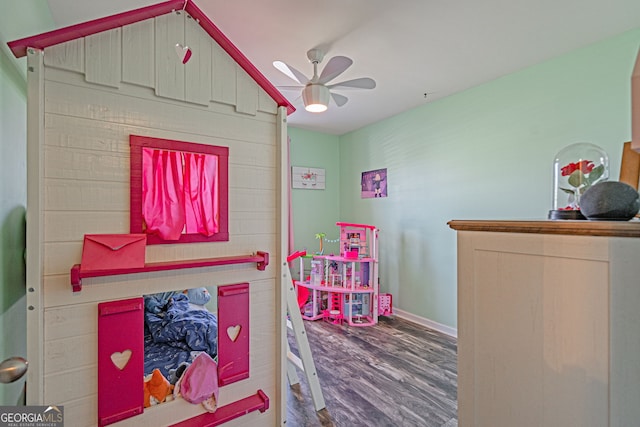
(548, 323)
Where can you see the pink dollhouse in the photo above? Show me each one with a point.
(102, 95)
(344, 288)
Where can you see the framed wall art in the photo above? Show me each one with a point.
(374, 183)
(307, 178)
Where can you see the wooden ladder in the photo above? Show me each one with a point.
(304, 362)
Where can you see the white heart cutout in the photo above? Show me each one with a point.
(121, 359)
(233, 332)
(183, 52)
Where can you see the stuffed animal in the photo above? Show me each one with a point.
(175, 374)
(156, 389)
(199, 383)
(198, 296)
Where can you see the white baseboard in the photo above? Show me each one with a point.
(447, 330)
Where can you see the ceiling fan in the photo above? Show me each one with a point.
(315, 91)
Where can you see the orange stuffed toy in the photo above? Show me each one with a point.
(156, 389)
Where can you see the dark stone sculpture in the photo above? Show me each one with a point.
(610, 201)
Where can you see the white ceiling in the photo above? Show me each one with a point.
(410, 47)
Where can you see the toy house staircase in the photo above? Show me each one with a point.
(304, 362)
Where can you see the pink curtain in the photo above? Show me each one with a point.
(162, 193)
(200, 190)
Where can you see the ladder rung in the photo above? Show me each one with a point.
(295, 360)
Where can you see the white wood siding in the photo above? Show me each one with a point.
(224, 72)
(67, 56)
(144, 54)
(102, 57)
(138, 53)
(198, 69)
(97, 91)
(169, 69)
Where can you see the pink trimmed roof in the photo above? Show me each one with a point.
(41, 41)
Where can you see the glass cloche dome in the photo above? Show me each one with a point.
(576, 168)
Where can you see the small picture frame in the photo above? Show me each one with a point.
(307, 178)
(374, 184)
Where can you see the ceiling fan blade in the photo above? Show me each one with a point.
(340, 100)
(290, 87)
(336, 66)
(361, 83)
(291, 72)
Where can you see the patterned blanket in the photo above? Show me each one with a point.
(177, 333)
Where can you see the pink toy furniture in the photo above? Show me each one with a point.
(348, 289)
(333, 313)
(385, 306)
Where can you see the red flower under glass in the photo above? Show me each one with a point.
(586, 166)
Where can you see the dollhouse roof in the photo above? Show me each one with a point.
(41, 41)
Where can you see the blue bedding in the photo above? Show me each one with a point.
(176, 333)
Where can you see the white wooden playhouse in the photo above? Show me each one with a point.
(164, 73)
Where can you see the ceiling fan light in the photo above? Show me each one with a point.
(316, 98)
(316, 108)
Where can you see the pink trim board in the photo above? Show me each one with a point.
(256, 402)
(120, 360)
(233, 333)
(260, 258)
(44, 40)
(348, 224)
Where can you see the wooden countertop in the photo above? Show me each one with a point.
(568, 227)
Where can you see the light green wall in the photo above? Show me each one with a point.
(316, 211)
(485, 153)
(17, 18)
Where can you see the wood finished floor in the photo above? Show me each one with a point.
(394, 374)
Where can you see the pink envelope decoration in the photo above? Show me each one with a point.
(113, 251)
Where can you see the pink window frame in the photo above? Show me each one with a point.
(136, 143)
